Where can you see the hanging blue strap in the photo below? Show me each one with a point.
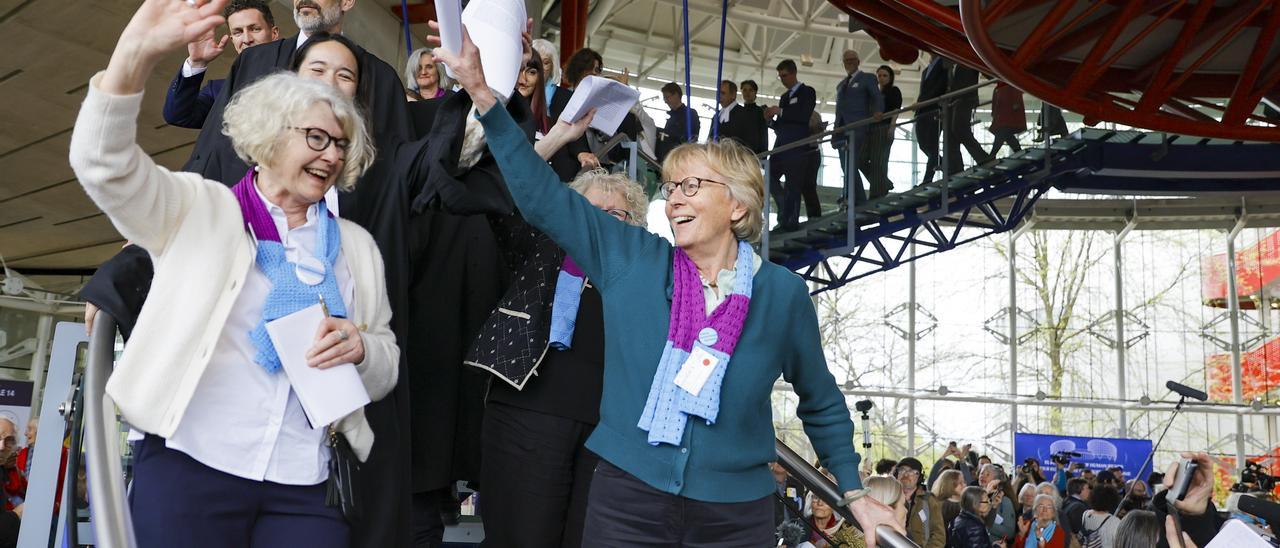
(408, 42)
(688, 91)
(724, 20)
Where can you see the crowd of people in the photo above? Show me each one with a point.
(967, 501)
(488, 277)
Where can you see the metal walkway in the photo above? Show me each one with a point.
(994, 198)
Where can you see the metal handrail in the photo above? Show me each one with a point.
(816, 138)
(112, 522)
(825, 489)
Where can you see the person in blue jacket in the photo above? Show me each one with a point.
(187, 104)
(696, 334)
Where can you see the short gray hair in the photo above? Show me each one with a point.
(1053, 502)
(545, 47)
(411, 71)
(631, 191)
(261, 113)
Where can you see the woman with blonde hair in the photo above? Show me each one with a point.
(948, 487)
(696, 334)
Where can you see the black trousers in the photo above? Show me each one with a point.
(625, 512)
(535, 473)
(960, 133)
(1005, 137)
(928, 127)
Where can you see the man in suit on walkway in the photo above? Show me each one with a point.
(728, 121)
(249, 22)
(960, 125)
(858, 97)
(933, 84)
(790, 123)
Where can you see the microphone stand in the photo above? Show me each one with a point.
(1176, 409)
(866, 433)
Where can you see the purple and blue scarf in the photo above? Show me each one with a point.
(669, 406)
(564, 306)
(289, 293)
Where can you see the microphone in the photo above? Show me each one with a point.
(1186, 391)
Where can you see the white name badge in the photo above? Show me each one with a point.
(696, 370)
(795, 100)
(924, 516)
(999, 519)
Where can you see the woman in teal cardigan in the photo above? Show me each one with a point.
(695, 337)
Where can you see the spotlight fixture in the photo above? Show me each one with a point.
(1256, 404)
(943, 390)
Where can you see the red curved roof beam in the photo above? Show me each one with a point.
(1090, 87)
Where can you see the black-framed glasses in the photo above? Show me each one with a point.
(689, 186)
(319, 140)
(619, 214)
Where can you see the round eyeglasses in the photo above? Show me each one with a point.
(689, 186)
(619, 214)
(319, 140)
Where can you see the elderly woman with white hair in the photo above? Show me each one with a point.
(1043, 529)
(229, 457)
(696, 334)
(424, 77)
(549, 55)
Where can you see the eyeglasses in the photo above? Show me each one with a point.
(688, 186)
(619, 214)
(319, 140)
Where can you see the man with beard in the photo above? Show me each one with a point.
(376, 204)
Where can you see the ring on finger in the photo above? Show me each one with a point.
(342, 334)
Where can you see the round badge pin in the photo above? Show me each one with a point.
(309, 270)
(708, 336)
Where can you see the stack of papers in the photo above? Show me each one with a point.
(496, 27)
(326, 395)
(611, 99)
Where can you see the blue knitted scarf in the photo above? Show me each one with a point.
(289, 293)
(669, 405)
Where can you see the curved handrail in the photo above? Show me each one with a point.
(112, 523)
(825, 489)
(818, 137)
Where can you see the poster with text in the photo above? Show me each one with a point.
(1096, 454)
(15, 405)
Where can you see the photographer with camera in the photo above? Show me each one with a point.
(1199, 517)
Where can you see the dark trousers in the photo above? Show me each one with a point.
(872, 161)
(786, 174)
(428, 526)
(1005, 137)
(960, 133)
(809, 191)
(535, 473)
(626, 512)
(928, 128)
(176, 501)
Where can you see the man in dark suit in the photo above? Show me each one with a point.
(186, 104)
(749, 119)
(790, 122)
(858, 98)
(960, 127)
(377, 204)
(682, 125)
(725, 124)
(933, 84)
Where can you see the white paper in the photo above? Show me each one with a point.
(1236, 534)
(496, 27)
(696, 370)
(449, 16)
(326, 395)
(611, 99)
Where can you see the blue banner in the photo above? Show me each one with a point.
(1096, 454)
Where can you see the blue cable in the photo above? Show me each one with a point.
(724, 19)
(688, 91)
(408, 41)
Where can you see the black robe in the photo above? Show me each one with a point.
(457, 279)
(379, 203)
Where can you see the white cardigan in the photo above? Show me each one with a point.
(195, 233)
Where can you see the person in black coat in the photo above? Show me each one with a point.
(750, 118)
(791, 124)
(969, 530)
(575, 156)
(960, 125)
(882, 132)
(933, 84)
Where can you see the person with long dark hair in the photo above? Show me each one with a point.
(883, 131)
